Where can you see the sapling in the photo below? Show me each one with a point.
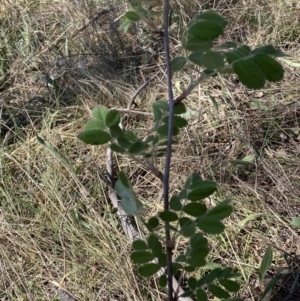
(185, 214)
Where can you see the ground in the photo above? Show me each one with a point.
(60, 59)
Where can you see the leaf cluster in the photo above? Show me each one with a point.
(253, 67)
(188, 217)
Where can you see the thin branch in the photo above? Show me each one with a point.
(190, 88)
(134, 112)
(138, 91)
(169, 147)
(109, 167)
(63, 293)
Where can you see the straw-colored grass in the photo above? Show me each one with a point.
(57, 224)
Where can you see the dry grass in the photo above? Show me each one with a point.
(57, 225)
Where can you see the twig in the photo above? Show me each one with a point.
(134, 112)
(63, 293)
(169, 148)
(138, 91)
(109, 167)
(189, 89)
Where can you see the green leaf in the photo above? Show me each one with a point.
(175, 203)
(124, 142)
(94, 125)
(249, 73)
(157, 250)
(125, 24)
(201, 295)
(188, 229)
(266, 263)
(130, 204)
(296, 222)
(201, 190)
(230, 285)
(132, 16)
(212, 275)
(148, 270)
(210, 225)
(198, 241)
(193, 44)
(189, 268)
(157, 113)
(206, 30)
(123, 178)
(192, 283)
(141, 257)
(94, 137)
(176, 267)
(139, 245)
(179, 109)
(100, 113)
(199, 253)
(162, 105)
(178, 63)
(202, 281)
(153, 223)
(213, 17)
(187, 294)
(218, 291)
(129, 135)
(249, 218)
(163, 130)
(152, 241)
(184, 220)
(162, 260)
(196, 262)
(177, 121)
(112, 118)
(116, 148)
(226, 273)
(162, 281)
(196, 58)
(194, 209)
(270, 285)
(168, 216)
(56, 154)
(181, 258)
(116, 131)
(271, 69)
(137, 147)
(191, 180)
(268, 49)
(221, 211)
(237, 54)
(213, 60)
